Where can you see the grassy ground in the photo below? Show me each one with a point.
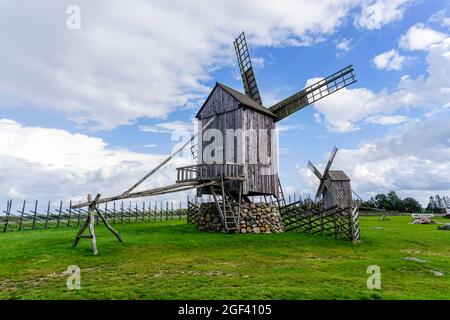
(171, 260)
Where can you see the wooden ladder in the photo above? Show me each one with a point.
(281, 201)
(225, 203)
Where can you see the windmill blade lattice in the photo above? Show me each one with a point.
(246, 69)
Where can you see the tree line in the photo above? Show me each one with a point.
(392, 202)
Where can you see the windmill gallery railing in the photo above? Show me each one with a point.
(210, 172)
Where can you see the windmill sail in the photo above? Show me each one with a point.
(313, 93)
(246, 68)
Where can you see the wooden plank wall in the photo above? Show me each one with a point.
(344, 188)
(255, 181)
(229, 115)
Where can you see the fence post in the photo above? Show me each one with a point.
(106, 211)
(143, 210)
(114, 212)
(8, 210)
(59, 215)
(179, 212)
(48, 214)
(161, 211)
(79, 217)
(34, 215)
(21, 215)
(70, 213)
(96, 216)
(129, 213)
(136, 212)
(155, 211)
(167, 209)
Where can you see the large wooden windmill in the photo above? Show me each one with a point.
(232, 110)
(250, 166)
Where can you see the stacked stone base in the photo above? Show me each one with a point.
(254, 218)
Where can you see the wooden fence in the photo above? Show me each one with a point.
(33, 216)
(334, 221)
(26, 215)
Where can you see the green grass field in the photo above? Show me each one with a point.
(171, 260)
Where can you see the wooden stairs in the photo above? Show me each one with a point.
(225, 204)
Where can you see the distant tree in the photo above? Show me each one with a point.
(435, 205)
(381, 201)
(394, 202)
(411, 205)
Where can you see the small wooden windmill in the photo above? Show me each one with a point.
(334, 186)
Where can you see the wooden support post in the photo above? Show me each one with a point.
(48, 215)
(90, 222)
(136, 212)
(155, 211)
(70, 213)
(34, 215)
(95, 218)
(21, 215)
(108, 226)
(59, 213)
(114, 212)
(167, 210)
(7, 212)
(129, 213)
(121, 213)
(143, 210)
(79, 217)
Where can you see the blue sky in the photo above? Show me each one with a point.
(92, 109)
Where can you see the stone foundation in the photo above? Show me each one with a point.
(254, 218)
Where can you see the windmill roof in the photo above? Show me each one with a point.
(243, 99)
(338, 175)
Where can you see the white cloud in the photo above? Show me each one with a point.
(152, 145)
(344, 45)
(53, 164)
(289, 127)
(412, 161)
(420, 37)
(345, 110)
(177, 127)
(388, 120)
(142, 60)
(389, 60)
(441, 18)
(377, 13)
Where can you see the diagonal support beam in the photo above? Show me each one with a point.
(167, 159)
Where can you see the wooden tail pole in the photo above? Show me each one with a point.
(90, 222)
